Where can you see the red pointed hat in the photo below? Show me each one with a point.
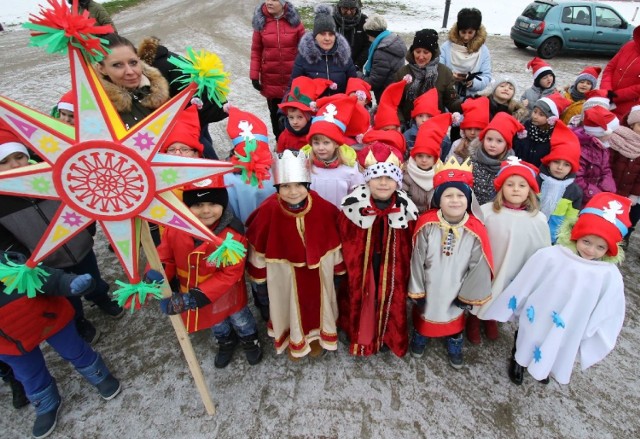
(476, 113)
(390, 137)
(538, 66)
(556, 103)
(514, 166)
(355, 85)
(332, 117)
(186, 130)
(606, 215)
(67, 101)
(303, 92)
(359, 123)
(426, 103)
(507, 125)
(387, 112)
(564, 146)
(9, 142)
(430, 135)
(599, 121)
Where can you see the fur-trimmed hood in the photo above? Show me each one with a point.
(564, 239)
(150, 49)
(311, 52)
(475, 44)
(156, 94)
(260, 16)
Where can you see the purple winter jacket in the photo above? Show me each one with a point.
(594, 175)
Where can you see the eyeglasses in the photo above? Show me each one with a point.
(343, 9)
(182, 150)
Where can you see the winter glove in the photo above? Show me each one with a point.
(152, 276)
(177, 303)
(611, 95)
(256, 84)
(462, 305)
(82, 284)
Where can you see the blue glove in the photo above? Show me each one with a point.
(82, 284)
(153, 276)
(177, 303)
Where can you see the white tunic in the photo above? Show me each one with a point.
(566, 306)
(334, 184)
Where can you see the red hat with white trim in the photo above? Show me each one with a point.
(596, 98)
(564, 146)
(430, 135)
(426, 103)
(67, 101)
(9, 142)
(538, 67)
(476, 113)
(332, 118)
(600, 122)
(552, 105)
(514, 166)
(606, 215)
(507, 125)
(590, 74)
(186, 130)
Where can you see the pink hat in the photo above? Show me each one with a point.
(538, 67)
(507, 125)
(599, 122)
(430, 135)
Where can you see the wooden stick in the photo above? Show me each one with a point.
(178, 326)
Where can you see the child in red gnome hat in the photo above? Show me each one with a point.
(594, 175)
(569, 299)
(424, 108)
(65, 108)
(417, 181)
(375, 228)
(386, 113)
(450, 264)
(184, 138)
(543, 82)
(516, 230)
(577, 93)
(475, 117)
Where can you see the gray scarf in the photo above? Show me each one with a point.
(424, 78)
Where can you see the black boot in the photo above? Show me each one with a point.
(17, 391)
(516, 372)
(226, 346)
(252, 349)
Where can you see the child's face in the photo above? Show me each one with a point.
(296, 118)
(422, 118)
(471, 133)
(207, 212)
(179, 148)
(66, 116)
(584, 86)
(559, 169)
(636, 127)
(323, 147)
(453, 204)
(493, 143)
(390, 128)
(293, 193)
(515, 190)
(425, 161)
(591, 247)
(382, 188)
(504, 92)
(13, 161)
(546, 81)
(538, 118)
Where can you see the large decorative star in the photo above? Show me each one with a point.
(102, 172)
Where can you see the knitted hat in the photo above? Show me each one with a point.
(476, 113)
(426, 39)
(67, 101)
(355, 85)
(634, 115)
(323, 20)
(379, 159)
(375, 25)
(390, 137)
(303, 93)
(426, 103)
(599, 122)
(9, 142)
(349, 4)
(430, 135)
(538, 68)
(596, 98)
(495, 82)
(514, 166)
(216, 195)
(564, 146)
(590, 74)
(552, 105)
(469, 18)
(507, 125)
(332, 117)
(387, 112)
(606, 215)
(186, 130)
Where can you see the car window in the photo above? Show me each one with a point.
(577, 15)
(606, 17)
(536, 11)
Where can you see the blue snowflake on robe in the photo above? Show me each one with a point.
(513, 303)
(531, 314)
(557, 320)
(537, 354)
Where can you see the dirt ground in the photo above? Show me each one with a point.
(337, 396)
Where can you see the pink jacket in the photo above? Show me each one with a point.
(594, 175)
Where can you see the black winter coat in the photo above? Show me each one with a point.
(529, 150)
(356, 38)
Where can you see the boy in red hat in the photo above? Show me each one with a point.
(210, 296)
(451, 263)
(543, 82)
(417, 181)
(424, 108)
(560, 196)
(594, 175)
(569, 298)
(375, 228)
(516, 230)
(475, 117)
(64, 109)
(577, 93)
(184, 137)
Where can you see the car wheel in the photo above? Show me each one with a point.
(550, 48)
(519, 45)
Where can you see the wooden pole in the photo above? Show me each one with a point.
(178, 326)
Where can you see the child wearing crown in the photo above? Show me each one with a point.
(294, 254)
(375, 227)
(451, 263)
(569, 299)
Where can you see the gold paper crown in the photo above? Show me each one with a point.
(291, 167)
(371, 160)
(452, 170)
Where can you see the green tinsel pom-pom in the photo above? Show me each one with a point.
(21, 278)
(230, 252)
(132, 296)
